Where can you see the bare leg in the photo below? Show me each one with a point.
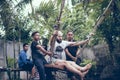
(85, 68)
(52, 65)
(84, 73)
(70, 68)
(61, 64)
(33, 71)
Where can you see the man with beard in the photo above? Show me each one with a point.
(59, 56)
(38, 53)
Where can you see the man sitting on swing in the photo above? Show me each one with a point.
(59, 57)
(38, 53)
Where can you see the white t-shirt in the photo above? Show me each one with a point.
(59, 50)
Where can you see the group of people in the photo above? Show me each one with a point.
(63, 55)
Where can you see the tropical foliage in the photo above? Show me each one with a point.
(80, 18)
(17, 21)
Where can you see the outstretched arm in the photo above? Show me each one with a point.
(43, 50)
(82, 42)
(79, 43)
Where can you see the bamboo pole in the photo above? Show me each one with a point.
(98, 22)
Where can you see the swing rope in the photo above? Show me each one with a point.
(97, 24)
(56, 27)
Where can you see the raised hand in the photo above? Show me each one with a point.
(55, 33)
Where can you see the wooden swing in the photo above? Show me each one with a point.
(97, 24)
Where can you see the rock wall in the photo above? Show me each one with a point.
(107, 67)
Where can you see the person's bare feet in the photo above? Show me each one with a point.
(83, 74)
(87, 67)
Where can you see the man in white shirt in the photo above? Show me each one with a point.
(59, 56)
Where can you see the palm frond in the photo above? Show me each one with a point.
(47, 10)
(22, 3)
